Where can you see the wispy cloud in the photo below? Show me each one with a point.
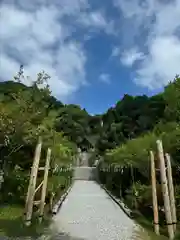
(98, 21)
(105, 78)
(37, 34)
(52, 36)
(115, 52)
(161, 64)
(159, 39)
(129, 57)
(36, 37)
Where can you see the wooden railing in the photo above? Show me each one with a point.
(32, 189)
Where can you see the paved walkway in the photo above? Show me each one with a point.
(88, 213)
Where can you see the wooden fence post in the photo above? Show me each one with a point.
(154, 194)
(171, 190)
(32, 184)
(44, 187)
(165, 190)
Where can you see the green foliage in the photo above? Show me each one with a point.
(165, 127)
(54, 184)
(15, 187)
(123, 135)
(12, 225)
(73, 122)
(131, 117)
(133, 154)
(172, 98)
(177, 194)
(26, 114)
(139, 196)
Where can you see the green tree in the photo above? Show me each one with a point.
(172, 99)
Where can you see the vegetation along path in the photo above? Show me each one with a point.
(88, 213)
(121, 138)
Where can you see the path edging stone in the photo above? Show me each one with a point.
(61, 200)
(125, 209)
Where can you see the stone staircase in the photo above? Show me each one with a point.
(85, 173)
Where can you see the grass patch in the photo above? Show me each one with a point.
(144, 222)
(11, 223)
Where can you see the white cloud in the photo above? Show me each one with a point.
(93, 19)
(28, 38)
(70, 7)
(40, 34)
(161, 64)
(136, 15)
(165, 14)
(65, 7)
(115, 52)
(168, 19)
(129, 57)
(8, 67)
(139, 9)
(98, 21)
(157, 24)
(105, 78)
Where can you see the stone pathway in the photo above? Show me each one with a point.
(88, 213)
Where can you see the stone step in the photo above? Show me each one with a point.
(85, 173)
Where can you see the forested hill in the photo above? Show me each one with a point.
(122, 136)
(130, 117)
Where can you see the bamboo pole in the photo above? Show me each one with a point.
(165, 190)
(32, 184)
(171, 190)
(44, 187)
(154, 194)
(40, 185)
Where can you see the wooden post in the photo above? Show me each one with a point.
(32, 184)
(171, 190)
(154, 194)
(44, 187)
(165, 190)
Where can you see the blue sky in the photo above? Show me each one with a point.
(94, 51)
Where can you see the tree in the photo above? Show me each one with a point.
(25, 117)
(172, 99)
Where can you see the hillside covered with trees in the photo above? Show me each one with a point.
(131, 117)
(123, 135)
(142, 124)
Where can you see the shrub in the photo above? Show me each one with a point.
(15, 186)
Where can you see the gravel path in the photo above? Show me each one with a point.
(88, 213)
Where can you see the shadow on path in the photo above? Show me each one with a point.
(64, 236)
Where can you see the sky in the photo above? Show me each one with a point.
(94, 51)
